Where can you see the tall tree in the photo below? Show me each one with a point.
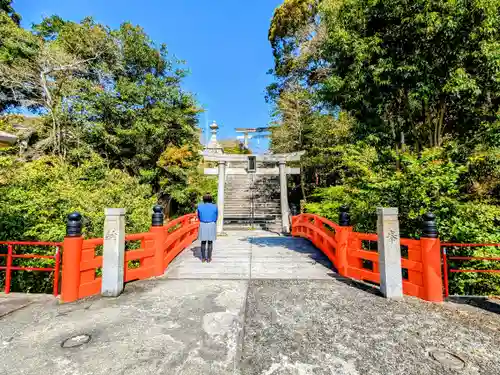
(424, 69)
(17, 47)
(6, 6)
(113, 92)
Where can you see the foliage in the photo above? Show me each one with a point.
(107, 91)
(113, 128)
(36, 197)
(99, 90)
(6, 6)
(183, 180)
(231, 146)
(396, 103)
(417, 70)
(17, 47)
(432, 182)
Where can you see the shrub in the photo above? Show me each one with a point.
(37, 196)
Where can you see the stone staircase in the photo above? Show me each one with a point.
(252, 200)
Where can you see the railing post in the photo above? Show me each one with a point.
(8, 268)
(294, 225)
(431, 259)
(159, 241)
(342, 239)
(113, 260)
(389, 253)
(72, 255)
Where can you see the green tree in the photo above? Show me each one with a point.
(425, 69)
(417, 84)
(18, 46)
(6, 6)
(36, 197)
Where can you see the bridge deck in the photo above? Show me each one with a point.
(251, 325)
(254, 255)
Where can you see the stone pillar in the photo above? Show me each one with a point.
(220, 196)
(285, 210)
(113, 262)
(389, 252)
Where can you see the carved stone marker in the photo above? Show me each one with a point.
(389, 250)
(113, 262)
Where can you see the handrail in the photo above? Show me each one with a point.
(345, 249)
(317, 217)
(10, 256)
(448, 270)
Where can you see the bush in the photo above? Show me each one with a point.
(37, 196)
(431, 181)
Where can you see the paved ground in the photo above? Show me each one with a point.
(193, 322)
(254, 255)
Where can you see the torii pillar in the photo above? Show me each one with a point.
(285, 210)
(231, 164)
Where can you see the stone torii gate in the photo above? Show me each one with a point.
(237, 164)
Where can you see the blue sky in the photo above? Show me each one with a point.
(224, 43)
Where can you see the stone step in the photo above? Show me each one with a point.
(255, 182)
(249, 196)
(239, 203)
(250, 207)
(248, 203)
(246, 189)
(247, 215)
(257, 213)
(252, 183)
(250, 218)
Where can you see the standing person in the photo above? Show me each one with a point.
(207, 214)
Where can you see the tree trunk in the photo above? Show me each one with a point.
(303, 183)
(439, 127)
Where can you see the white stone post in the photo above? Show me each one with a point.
(113, 263)
(220, 196)
(285, 210)
(389, 250)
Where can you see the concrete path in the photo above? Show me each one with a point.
(187, 324)
(12, 302)
(254, 255)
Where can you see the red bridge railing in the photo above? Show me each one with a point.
(12, 255)
(82, 262)
(447, 258)
(355, 257)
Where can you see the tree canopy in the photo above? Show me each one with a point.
(6, 6)
(397, 103)
(112, 127)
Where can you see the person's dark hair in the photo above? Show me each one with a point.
(207, 198)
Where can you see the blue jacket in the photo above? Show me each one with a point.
(207, 212)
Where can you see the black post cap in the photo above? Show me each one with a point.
(429, 226)
(74, 225)
(157, 220)
(344, 217)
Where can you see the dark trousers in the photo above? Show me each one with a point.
(204, 247)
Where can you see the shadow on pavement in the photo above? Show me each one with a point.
(297, 245)
(480, 302)
(364, 286)
(303, 246)
(196, 250)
